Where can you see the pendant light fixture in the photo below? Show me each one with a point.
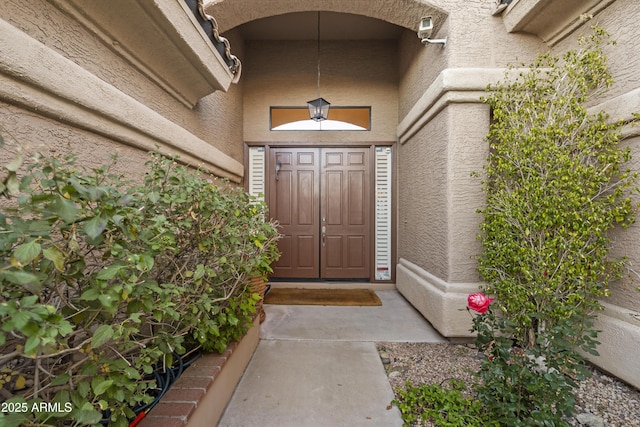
(318, 108)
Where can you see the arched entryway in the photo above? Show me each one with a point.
(331, 191)
(404, 13)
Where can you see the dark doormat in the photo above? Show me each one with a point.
(346, 297)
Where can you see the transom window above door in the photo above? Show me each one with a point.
(340, 118)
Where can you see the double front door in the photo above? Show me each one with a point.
(321, 198)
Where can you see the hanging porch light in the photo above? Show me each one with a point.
(318, 108)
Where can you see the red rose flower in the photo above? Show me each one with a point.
(479, 302)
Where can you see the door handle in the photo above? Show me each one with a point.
(324, 235)
(278, 167)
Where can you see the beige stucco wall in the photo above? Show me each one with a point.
(423, 216)
(62, 87)
(626, 243)
(134, 115)
(441, 131)
(419, 67)
(620, 319)
(405, 13)
(218, 118)
(31, 133)
(467, 152)
(620, 20)
(352, 73)
(475, 39)
(438, 194)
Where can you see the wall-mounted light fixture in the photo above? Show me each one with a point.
(425, 28)
(318, 108)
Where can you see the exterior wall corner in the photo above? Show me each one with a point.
(442, 304)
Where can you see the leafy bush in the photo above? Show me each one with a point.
(556, 185)
(526, 387)
(222, 239)
(102, 279)
(441, 406)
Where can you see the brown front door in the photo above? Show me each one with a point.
(320, 197)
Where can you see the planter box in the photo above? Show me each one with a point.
(198, 398)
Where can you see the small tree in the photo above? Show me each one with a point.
(556, 186)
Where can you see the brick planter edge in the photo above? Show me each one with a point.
(198, 398)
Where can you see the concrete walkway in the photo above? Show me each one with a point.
(318, 366)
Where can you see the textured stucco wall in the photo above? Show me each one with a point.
(405, 13)
(215, 121)
(466, 154)
(352, 73)
(438, 288)
(478, 38)
(441, 132)
(419, 67)
(425, 96)
(475, 39)
(423, 216)
(438, 195)
(625, 292)
(218, 118)
(620, 21)
(33, 133)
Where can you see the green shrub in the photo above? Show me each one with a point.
(526, 387)
(441, 406)
(221, 240)
(556, 185)
(102, 279)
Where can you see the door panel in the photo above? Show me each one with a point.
(294, 197)
(345, 213)
(321, 198)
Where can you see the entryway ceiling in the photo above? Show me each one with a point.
(333, 26)
(341, 20)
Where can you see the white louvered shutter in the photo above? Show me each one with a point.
(383, 187)
(256, 172)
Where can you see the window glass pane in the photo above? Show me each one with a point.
(340, 118)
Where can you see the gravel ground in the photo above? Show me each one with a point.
(602, 400)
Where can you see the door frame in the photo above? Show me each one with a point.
(357, 144)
